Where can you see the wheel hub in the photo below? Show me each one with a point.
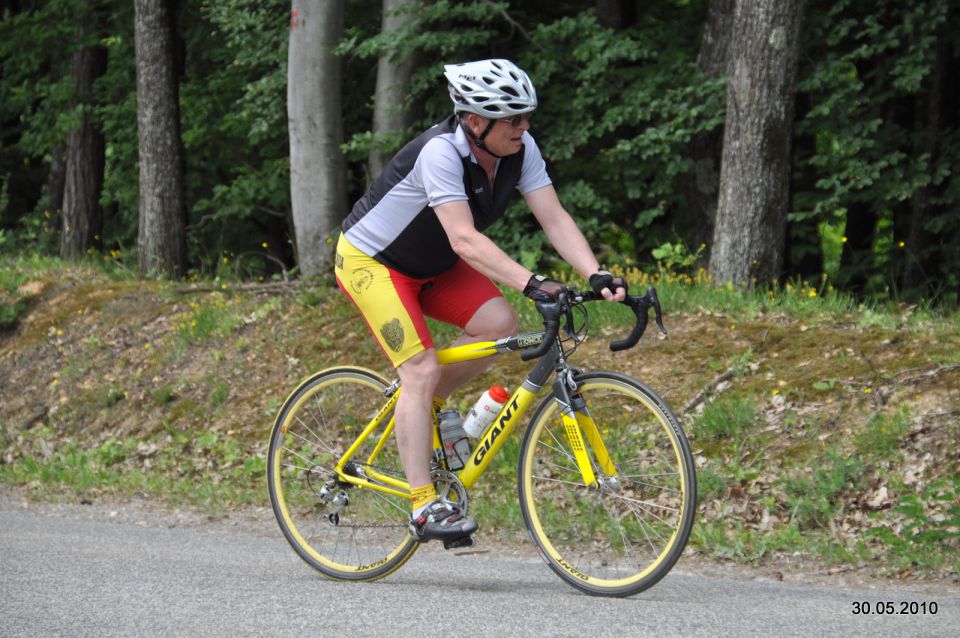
(609, 484)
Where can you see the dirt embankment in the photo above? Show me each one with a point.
(91, 359)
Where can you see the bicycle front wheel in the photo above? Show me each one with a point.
(345, 532)
(625, 534)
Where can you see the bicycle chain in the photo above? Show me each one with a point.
(439, 475)
(380, 526)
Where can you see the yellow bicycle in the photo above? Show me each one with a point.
(606, 479)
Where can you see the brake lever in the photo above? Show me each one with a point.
(568, 324)
(657, 313)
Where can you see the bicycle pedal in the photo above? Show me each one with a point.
(457, 543)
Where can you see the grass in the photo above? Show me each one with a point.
(14, 272)
(813, 497)
(883, 435)
(725, 419)
(173, 401)
(199, 468)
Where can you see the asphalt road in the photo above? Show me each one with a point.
(97, 571)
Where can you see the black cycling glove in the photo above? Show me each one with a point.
(603, 279)
(540, 288)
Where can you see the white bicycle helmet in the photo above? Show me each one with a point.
(490, 88)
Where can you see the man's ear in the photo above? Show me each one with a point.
(475, 123)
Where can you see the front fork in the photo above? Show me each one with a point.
(579, 424)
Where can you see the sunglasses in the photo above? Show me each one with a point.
(515, 120)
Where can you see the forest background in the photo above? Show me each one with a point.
(848, 177)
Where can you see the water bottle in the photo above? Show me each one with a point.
(456, 445)
(482, 414)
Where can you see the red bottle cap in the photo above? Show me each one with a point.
(499, 393)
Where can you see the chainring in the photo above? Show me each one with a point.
(450, 489)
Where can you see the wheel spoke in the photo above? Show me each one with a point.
(553, 480)
(623, 535)
(644, 503)
(358, 533)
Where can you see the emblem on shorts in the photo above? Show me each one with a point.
(360, 280)
(392, 333)
(338, 261)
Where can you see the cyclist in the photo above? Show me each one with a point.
(413, 246)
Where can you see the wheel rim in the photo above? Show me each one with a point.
(625, 535)
(343, 531)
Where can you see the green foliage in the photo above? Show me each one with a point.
(626, 104)
(206, 320)
(676, 256)
(740, 543)
(884, 434)
(10, 304)
(813, 497)
(726, 418)
(710, 484)
(618, 112)
(441, 31)
(233, 118)
(9, 312)
(163, 395)
(926, 536)
(201, 468)
(14, 272)
(866, 142)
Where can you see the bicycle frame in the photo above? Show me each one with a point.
(576, 420)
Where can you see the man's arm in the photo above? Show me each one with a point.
(561, 230)
(484, 255)
(477, 249)
(564, 234)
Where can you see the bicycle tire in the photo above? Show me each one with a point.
(623, 536)
(369, 537)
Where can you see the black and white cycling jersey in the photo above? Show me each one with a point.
(394, 222)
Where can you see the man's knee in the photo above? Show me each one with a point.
(494, 320)
(420, 371)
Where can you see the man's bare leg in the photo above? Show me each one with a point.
(414, 422)
(494, 320)
(430, 518)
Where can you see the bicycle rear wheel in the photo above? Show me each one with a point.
(345, 532)
(625, 535)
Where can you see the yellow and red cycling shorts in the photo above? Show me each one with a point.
(395, 305)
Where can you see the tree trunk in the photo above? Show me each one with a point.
(317, 167)
(702, 182)
(856, 256)
(393, 81)
(921, 274)
(56, 180)
(83, 177)
(162, 233)
(615, 14)
(749, 236)
(804, 257)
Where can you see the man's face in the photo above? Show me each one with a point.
(505, 136)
